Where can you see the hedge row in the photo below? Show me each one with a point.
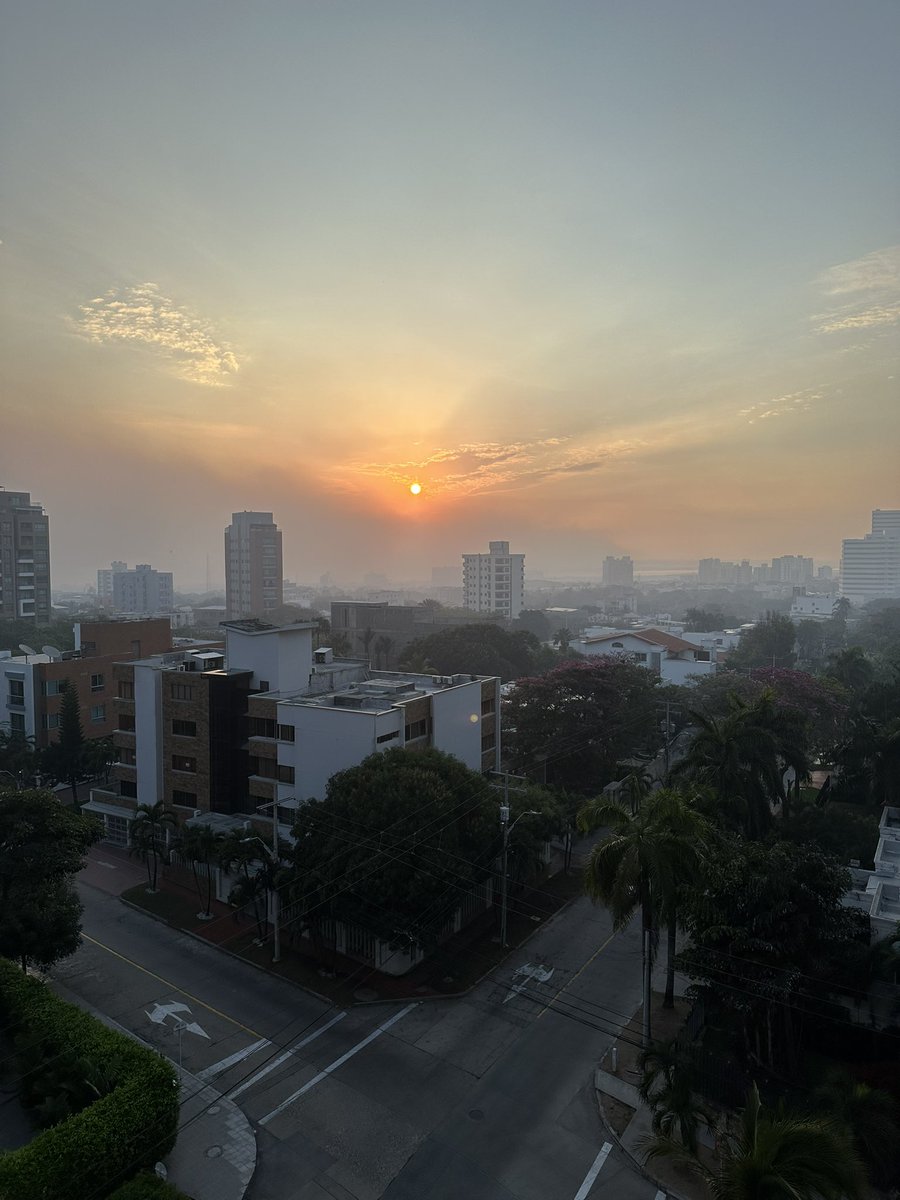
(147, 1187)
(91, 1153)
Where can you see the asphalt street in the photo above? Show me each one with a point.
(488, 1098)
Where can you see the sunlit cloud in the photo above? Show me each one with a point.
(143, 316)
(872, 284)
(781, 406)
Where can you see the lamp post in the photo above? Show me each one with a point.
(507, 830)
(276, 904)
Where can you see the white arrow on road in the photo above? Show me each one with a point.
(161, 1013)
(528, 972)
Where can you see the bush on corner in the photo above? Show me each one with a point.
(86, 1156)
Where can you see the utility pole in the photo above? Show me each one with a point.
(274, 858)
(504, 862)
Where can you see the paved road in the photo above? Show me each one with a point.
(488, 1098)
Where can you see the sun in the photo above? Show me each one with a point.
(415, 488)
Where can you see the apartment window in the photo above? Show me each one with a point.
(417, 729)
(186, 799)
(50, 721)
(126, 723)
(185, 728)
(488, 742)
(264, 685)
(127, 787)
(127, 755)
(285, 774)
(88, 647)
(182, 691)
(181, 762)
(16, 691)
(126, 689)
(52, 687)
(17, 722)
(286, 733)
(136, 647)
(487, 706)
(387, 737)
(262, 727)
(97, 682)
(98, 712)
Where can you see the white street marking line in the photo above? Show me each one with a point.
(339, 1062)
(217, 1068)
(101, 863)
(264, 1071)
(595, 1170)
(527, 972)
(660, 1196)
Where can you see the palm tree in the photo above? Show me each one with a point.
(257, 877)
(641, 865)
(668, 1085)
(871, 1117)
(562, 639)
(150, 832)
(200, 846)
(776, 1156)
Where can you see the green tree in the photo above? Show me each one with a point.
(562, 639)
(871, 1116)
(42, 846)
(482, 649)
(258, 876)
(201, 847)
(150, 836)
(852, 669)
(63, 760)
(580, 720)
(810, 641)
(642, 865)
(776, 1156)
(18, 757)
(770, 643)
(535, 622)
(98, 756)
(669, 1085)
(705, 620)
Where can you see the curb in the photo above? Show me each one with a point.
(354, 1003)
(638, 1166)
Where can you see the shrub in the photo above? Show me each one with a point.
(147, 1187)
(87, 1155)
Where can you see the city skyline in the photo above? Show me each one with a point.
(600, 283)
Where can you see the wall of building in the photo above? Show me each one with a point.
(456, 713)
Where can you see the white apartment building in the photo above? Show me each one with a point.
(254, 579)
(494, 582)
(811, 606)
(673, 658)
(143, 591)
(870, 565)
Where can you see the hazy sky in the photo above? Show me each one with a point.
(618, 276)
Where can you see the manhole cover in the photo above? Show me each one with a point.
(214, 1152)
(476, 1114)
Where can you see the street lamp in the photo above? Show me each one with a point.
(276, 905)
(507, 830)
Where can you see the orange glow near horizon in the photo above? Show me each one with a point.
(415, 488)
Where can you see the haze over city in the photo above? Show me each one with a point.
(600, 278)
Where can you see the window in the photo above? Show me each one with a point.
(98, 712)
(187, 799)
(185, 728)
(97, 682)
(50, 721)
(126, 723)
(262, 727)
(52, 687)
(126, 689)
(286, 733)
(182, 691)
(17, 722)
(487, 706)
(136, 647)
(16, 691)
(418, 729)
(127, 755)
(639, 657)
(285, 774)
(488, 742)
(88, 647)
(127, 787)
(618, 646)
(181, 762)
(388, 737)
(264, 685)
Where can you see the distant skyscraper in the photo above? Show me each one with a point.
(24, 558)
(253, 565)
(618, 570)
(142, 590)
(870, 565)
(105, 583)
(494, 582)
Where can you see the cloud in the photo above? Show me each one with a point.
(142, 315)
(476, 468)
(780, 406)
(872, 284)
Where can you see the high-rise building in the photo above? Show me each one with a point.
(494, 582)
(870, 565)
(24, 558)
(105, 582)
(253, 565)
(618, 571)
(142, 591)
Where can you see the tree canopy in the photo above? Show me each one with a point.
(579, 720)
(770, 643)
(482, 649)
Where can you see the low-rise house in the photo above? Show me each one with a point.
(673, 658)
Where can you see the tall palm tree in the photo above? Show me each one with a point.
(641, 866)
(562, 639)
(871, 1116)
(668, 1085)
(200, 846)
(776, 1156)
(150, 832)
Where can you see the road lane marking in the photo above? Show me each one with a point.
(596, 1168)
(582, 968)
(261, 1074)
(660, 1196)
(169, 984)
(232, 1060)
(338, 1062)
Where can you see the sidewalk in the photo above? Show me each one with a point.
(215, 1155)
